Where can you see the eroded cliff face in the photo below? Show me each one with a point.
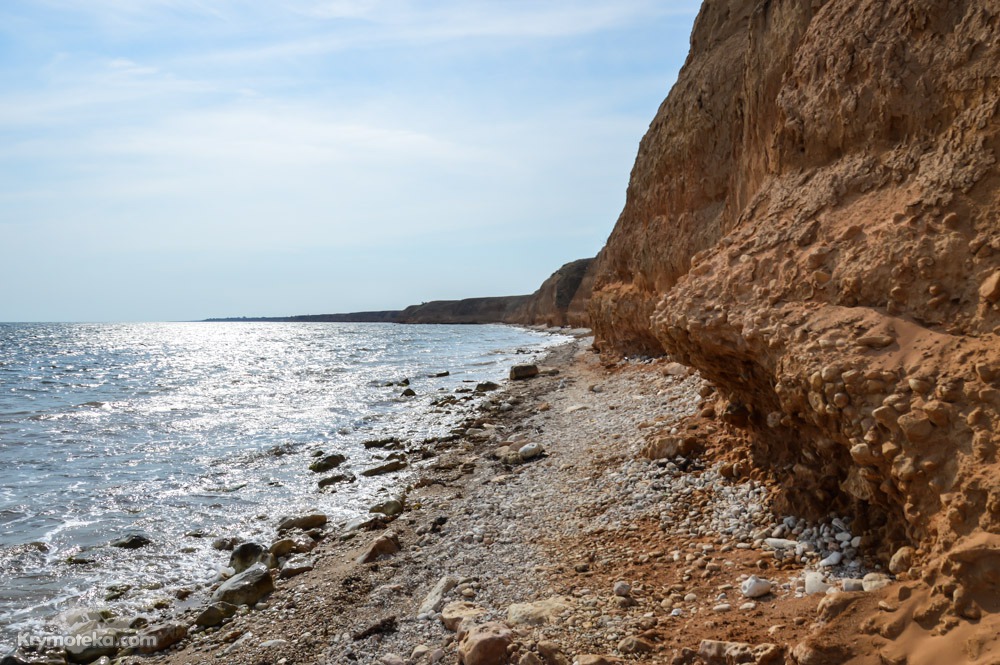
(813, 222)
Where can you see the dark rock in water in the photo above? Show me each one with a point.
(226, 544)
(389, 467)
(485, 386)
(161, 636)
(91, 641)
(408, 393)
(79, 560)
(327, 463)
(382, 443)
(132, 541)
(304, 522)
(246, 588)
(403, 383)
(116, 591)
(439, 375)
(336, 478)
(247, 555)
(519, 372)
(215, 614)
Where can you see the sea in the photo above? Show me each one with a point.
(189, 432)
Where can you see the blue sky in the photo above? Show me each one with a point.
(181, 159)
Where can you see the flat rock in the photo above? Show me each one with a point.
(132, 541)
(246, 588)
(454, 613)
(296, 566)
(434, 600)
(538, 613)
(389, 467)
(304, 522)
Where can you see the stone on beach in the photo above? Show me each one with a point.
(388, 467)
(327, 462)
(296, 566)
(214, 614)
(246, 588)
(304, 522)
(434, 600)
(383, 545)
(539, 612)
(485, 644)
(161, 636)
(519, 372)
(247, 554)
(454, 613)
(755, 587)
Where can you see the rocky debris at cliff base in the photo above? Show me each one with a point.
(633, 554)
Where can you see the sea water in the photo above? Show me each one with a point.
(187, 432)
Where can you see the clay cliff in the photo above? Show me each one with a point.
(813, 222)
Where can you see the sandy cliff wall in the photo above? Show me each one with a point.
(560, 300)
(813, 221)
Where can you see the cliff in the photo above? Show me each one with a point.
(561, 300)
(813, 222)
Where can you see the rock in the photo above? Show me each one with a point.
(539, 612)
(530, 659)
(831, 560)
(716, 652)
(388, 467)
(814, 652)
(392, 507)
(487, 386)
(246, 588)
(597, 659)
(902, 560)
(132, 541)
(161, 636)
(485, 644)
(990, 288)
(815, 583)
(780, 543)
(304, 522)
(215, 614)
(850, 585)
(296, 566)
(392, 659)
(247, 554)
(755, 587)
(876, 341)
(336, 479)
(551, 653)
(530, 451)
(326, 463)
(916, 426)
(622, 588)
(634, 645)
(434, 600)
(875, 581)
(519, 372)
(226, 544)
(454, 613)
(92, 641)
(409, 392)
(383, 545)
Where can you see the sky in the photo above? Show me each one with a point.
(184, 159)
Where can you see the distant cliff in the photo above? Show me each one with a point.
(561, 300)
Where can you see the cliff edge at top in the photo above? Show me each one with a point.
(813, 222)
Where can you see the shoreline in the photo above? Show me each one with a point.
(584, 553)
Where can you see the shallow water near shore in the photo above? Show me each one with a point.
(185, 432)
